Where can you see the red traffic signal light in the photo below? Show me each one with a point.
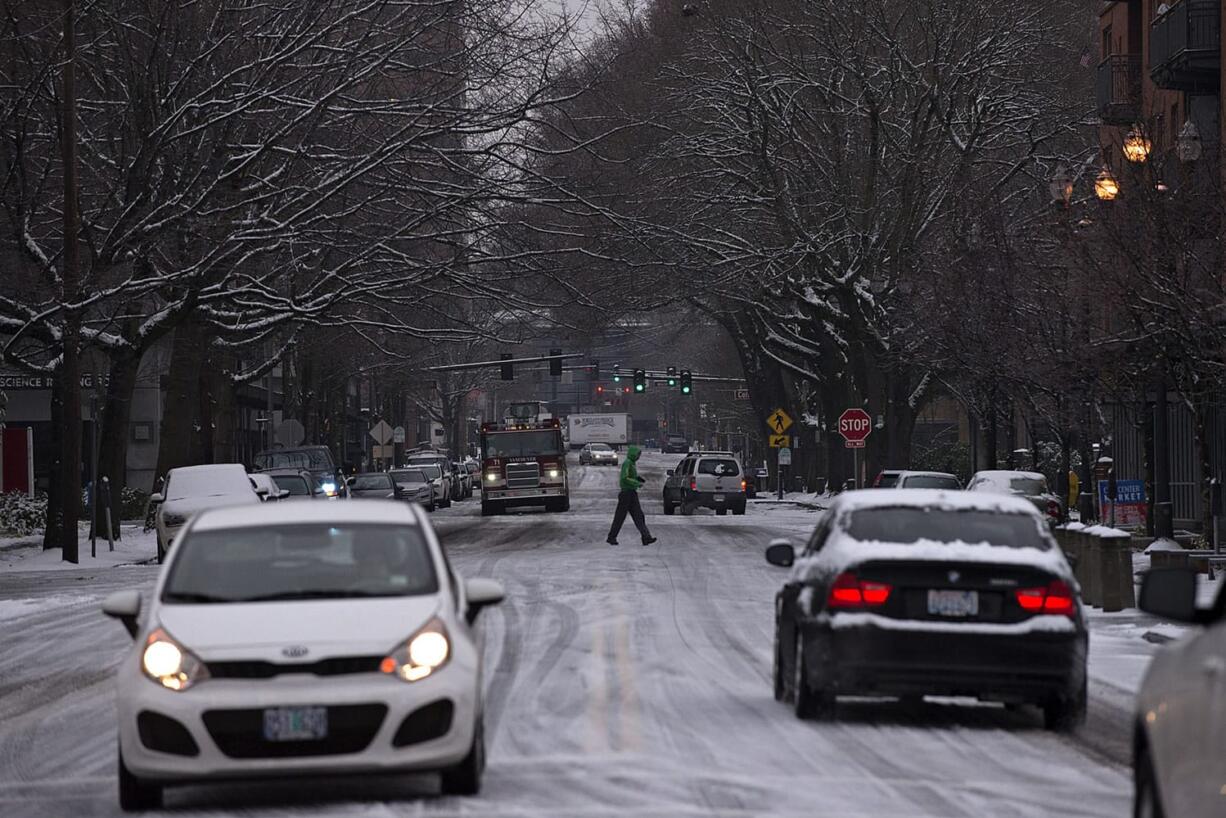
(599, 389)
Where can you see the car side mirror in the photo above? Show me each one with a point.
(263, 492)
(156, 498)
(481, 593)
(1170, 593)
(124, 606)
(282, 494)
(781, 553)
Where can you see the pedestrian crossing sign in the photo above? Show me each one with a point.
(778, 422)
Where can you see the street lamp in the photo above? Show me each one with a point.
(1136, 146)
(1105, 186)
(1188, 146)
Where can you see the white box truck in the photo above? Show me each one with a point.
(613, 429)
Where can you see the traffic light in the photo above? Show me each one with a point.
(595, 369)
(687, 383)
(599, 389)
(672, 376)
(617, 374)
(640, 381)
(555, 364)
(508, 370)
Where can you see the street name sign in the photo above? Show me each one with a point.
(854, 426)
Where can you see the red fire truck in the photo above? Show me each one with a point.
(523, 463)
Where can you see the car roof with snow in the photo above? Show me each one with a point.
(930, 498)
(211, 468)
(273, 514)
(989, 473)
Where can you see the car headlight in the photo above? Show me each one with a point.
(425, 652)
(553, 474)
(491, 477)
(169, 664)
(329, 489)
(173, 519)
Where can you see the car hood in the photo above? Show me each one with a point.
(190, 505)
(371, 492)
(325, 627)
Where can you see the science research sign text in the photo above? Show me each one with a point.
(21, 381)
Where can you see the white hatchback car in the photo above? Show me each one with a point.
(301, 639)
(1179, 736)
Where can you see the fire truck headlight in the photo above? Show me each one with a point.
(491, 477)
(553, 474)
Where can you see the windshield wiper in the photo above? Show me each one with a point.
(193, 596)
(338, 593)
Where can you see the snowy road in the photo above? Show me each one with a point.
(621, 681)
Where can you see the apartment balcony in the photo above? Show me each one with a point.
(1185, 47)
(1118, 87)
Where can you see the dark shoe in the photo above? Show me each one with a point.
(649, 541)
(611, 541)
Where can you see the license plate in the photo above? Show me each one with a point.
(719, 498)
(295, 723)
(953, 603)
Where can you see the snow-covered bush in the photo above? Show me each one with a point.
(22, 515)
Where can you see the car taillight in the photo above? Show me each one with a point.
(742, 485)
(1055, 598)
(1053, 509)
(693, 484)
(849, 591)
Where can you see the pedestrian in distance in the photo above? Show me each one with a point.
(629, 483)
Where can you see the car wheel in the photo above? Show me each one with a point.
(1145, 803)
(161, 551)
(465, 777)
(136, 794)
(1065, 714)
(489, 509)
(809, 703)
(739, 510)
(668, 507)
(781, 688)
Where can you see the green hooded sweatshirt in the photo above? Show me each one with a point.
(630, 480)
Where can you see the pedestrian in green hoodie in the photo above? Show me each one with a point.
(628, 499)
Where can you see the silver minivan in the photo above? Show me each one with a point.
(712, 480)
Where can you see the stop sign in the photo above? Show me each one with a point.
(854, 426)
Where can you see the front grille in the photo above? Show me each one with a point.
(165, 735)
(240, 733)
(425, 724)
(523, 475)
(254, 669)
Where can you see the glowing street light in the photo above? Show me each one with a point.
(1105, 186)
(1136, 147)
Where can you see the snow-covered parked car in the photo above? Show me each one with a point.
(1028, 484)
(1179, 733)
(913, 592)
(189, 489)
(301, 639)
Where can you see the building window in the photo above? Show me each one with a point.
(1106, 42)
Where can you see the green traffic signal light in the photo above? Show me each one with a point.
(640, 380)
(687, 385)
(685, 390)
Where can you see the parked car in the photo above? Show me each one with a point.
(416, 486)
(300, 483)
(465, 477)
(1179, 737)
(1028, 484)
(597, 454)
(675, 444)
(450, 480)
(190, 489)
(442, 495)
(886, 479)
(315, 459)
(265, 487)
(705, 480)
(372, 486)
(301, 640)
(920, 592)
(756, 480)
(925, 480)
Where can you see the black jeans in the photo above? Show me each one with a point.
(628, 501)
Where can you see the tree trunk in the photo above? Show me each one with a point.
(178, 437)
(55, 508)
(113, 440)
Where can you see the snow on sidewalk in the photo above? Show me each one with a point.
(137, 546)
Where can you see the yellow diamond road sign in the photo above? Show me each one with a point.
(779, 421)
(780, 441)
